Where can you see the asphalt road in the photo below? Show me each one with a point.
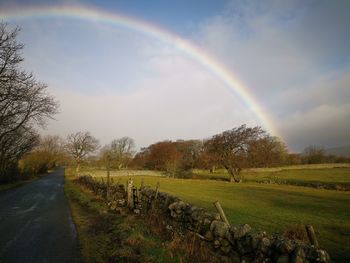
(36, 224)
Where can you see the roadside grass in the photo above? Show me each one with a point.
(109, 237)
(271, 208)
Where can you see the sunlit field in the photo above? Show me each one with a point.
(322, 173)
(272, 207)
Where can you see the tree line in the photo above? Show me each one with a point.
(26, 105)
(234, 150)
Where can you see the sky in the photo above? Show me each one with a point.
(291, 57)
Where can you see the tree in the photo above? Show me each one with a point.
(24, 102)
(16, 145)
(313, 154)
(53, 147)
(231, 147)
(190, 151)
(267, 151)
(79, 145)
(162, 156)
(121, 152)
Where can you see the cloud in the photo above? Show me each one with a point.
(292, 55)
(179, 100)
(113, 82)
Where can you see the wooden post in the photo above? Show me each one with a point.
(130, 202)
(311, 234)
(108, 182)
(221, 212)
(157, 190)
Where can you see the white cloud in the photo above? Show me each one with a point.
(289, 63)
(180, 100)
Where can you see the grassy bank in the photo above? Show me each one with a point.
(273, 208)
(109, 237)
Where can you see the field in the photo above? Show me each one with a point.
(327, 175)
(274, 207)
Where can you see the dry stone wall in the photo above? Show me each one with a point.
(230, 243)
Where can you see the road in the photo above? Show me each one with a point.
(36, 223)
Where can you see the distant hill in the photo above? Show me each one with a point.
(339, 151)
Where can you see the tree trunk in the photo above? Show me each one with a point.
(234, 174)
(77, 169)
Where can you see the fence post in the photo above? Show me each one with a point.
(130, 202)
(108, 182)
(311, 234)
(157, 190)
(221, 212)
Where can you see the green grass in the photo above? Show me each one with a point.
(339, 176)
(273, 208)
(326, 174)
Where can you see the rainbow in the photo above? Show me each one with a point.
(115, 19)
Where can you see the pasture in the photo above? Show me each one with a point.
(272, 207)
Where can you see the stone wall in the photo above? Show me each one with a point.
(230, 243)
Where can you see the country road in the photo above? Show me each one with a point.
(36, 224)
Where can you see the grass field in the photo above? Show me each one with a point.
(327, 174)
(272, 207)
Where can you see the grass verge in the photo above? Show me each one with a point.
(109, 237)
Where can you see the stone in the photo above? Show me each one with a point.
(284, 246)
(225, 249)
(241, 231)
(209, 236)
(219, 228)
(264, 245)
(217, 216)
(317, 255)
(298, 255)
(217, 243)
(177, 206)
(244, 245)
(137, 211)
(283, 259)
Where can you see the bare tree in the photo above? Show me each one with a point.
(313, 154)
(79, 145)
(24, 102)
(53, 147)
(231, 148)
(119, 152)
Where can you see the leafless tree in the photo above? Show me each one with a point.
(79, 145)
(231, 148)
(24, 102)
(118, 153)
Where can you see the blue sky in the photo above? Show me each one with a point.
(293, 56)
